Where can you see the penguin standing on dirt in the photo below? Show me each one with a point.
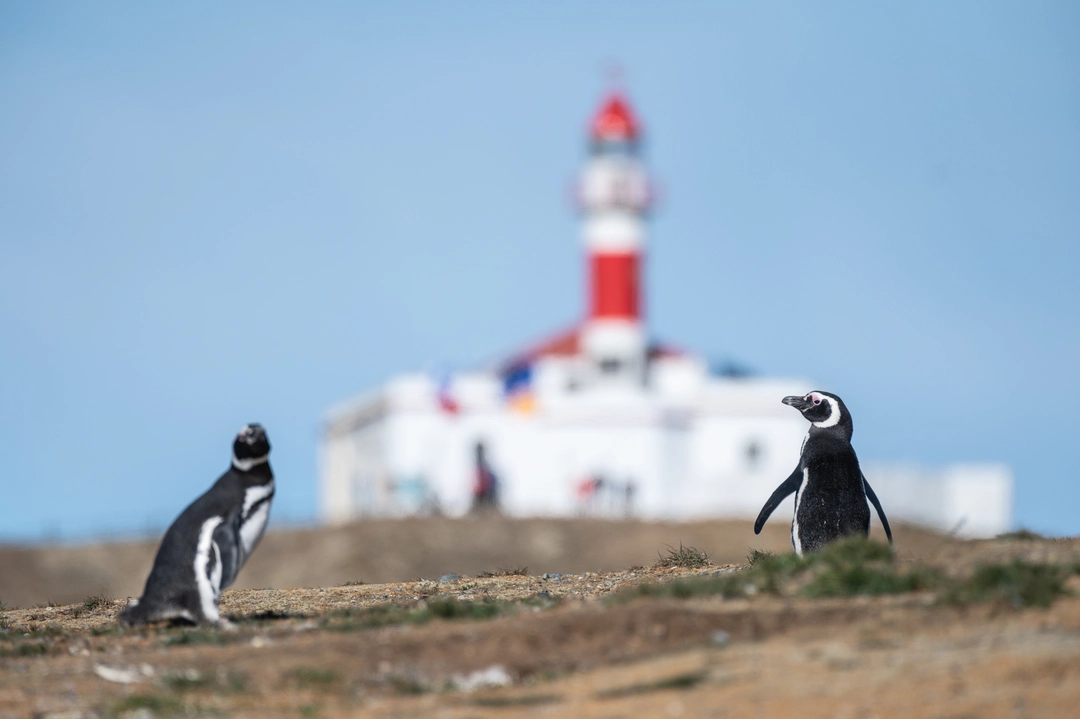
(204, 549)
(830, 489)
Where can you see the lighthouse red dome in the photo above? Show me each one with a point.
(615, 121)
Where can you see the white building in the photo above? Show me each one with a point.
(598, 421)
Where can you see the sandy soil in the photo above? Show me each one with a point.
(574, 645)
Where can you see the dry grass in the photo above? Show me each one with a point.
(684, 557)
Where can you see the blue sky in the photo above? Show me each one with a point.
(212, 215)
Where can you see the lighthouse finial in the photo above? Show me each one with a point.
(614, 73)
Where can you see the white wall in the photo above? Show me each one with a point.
(409, 456)
(972, 500)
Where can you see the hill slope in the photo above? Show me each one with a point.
(398, 550)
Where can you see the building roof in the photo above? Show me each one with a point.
(568, 344)
(615, 121)
(564, 344)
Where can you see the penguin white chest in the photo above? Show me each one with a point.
(796, 541)
(255, 514)
(207, 577)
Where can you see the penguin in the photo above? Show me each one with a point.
(830, 490)
(205, 547)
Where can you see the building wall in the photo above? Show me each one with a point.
(398, 453)
(970, 500)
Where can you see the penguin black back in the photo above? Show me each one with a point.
(205, 547)
(830, 490)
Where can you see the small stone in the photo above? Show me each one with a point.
(720, 638)
(554, 577)
(492, 677)
(446, 578)
(116, 674)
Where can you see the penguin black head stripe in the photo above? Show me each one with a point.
(204, 549)
(830, 490)
(823, 409)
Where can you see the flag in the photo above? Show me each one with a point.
(517, 388)
(443, 393)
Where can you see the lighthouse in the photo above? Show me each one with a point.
(614, 197)
(597, 420)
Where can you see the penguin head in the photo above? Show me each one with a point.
(251, 448)
(823, 409)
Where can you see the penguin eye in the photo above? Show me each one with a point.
(817, 400)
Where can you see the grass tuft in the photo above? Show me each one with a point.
(360, 618)
(857, 566)
(50, 630)
(25, 649)
(853, 580)
(312, 677)
(267, 616)
(756, 556)
(686, 557)
(107, 630)
(203, 636)
(1017, 584)
(405, 685)
(96, 601)
(680, 681)
(1023, 535)
(514, 572)
(499, 701)
(453, 609)
(155, 703)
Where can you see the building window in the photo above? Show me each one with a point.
(753, 455)
(610, 365)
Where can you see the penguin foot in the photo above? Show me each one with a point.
(226, 624)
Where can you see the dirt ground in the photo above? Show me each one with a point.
(575, 645)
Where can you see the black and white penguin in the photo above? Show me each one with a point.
(204, 549)
(830, 489)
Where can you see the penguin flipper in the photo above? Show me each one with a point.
(789, 487)
(877, 505)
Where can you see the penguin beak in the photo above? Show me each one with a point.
(799, 403)
(251, 433)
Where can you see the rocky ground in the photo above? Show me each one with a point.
(970, 629)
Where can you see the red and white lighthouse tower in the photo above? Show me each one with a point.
(615, 198)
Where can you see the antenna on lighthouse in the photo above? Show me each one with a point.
(614, 74)
(615, 200)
